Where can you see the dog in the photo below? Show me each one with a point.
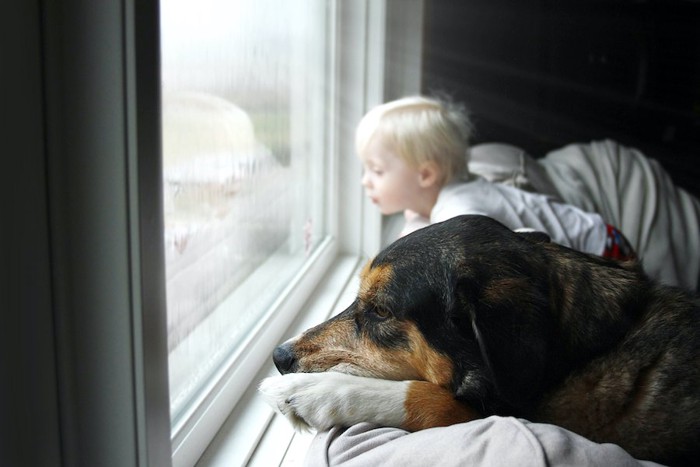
(466, 319)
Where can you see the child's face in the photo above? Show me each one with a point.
(389, 182)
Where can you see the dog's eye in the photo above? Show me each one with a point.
(379, 313)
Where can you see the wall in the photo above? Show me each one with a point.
(544, 73)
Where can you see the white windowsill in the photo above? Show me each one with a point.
(253, 433)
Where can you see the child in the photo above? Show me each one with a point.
(414, 154)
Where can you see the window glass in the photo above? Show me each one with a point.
(244, 92)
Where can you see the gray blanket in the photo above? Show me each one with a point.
(494, 441)
(628, 189)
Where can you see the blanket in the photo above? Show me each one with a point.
(628, 189)
(493, 441)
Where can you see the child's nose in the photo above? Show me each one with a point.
(365, 180)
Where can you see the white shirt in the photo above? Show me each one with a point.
(517, 209)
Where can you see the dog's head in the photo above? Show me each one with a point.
(465, 304)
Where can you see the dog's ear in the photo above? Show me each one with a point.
(508, 320)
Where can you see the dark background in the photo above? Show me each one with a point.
(541, 74)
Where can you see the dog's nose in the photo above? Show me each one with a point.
(284, 358)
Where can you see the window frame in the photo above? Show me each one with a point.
(100, 90)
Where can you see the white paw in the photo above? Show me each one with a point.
(322, 400)
(303, 398)
(278, 392)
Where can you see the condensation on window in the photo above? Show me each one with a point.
(244, 116)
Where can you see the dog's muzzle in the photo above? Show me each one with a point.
(284, 358)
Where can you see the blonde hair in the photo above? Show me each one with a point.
(421, 129)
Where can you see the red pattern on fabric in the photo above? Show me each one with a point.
(617, 247)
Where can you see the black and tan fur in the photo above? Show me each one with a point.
(486, 321)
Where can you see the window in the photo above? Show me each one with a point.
(246, 117)
(245, 88)
(260, 99)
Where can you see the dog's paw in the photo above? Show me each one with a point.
(279, 392)
(302, 398)
(322, 400)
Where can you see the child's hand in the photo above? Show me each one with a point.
(410, 215)
(414, 221)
